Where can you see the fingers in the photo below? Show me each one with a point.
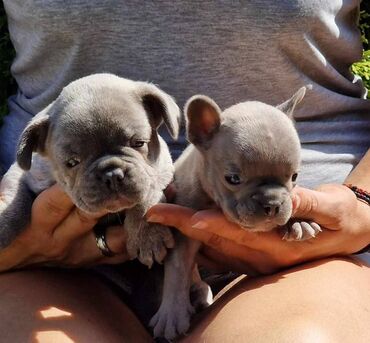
(50, 208)
(116, 237)
(84, 250)
(317, 204)
(209, 226)
(116, 240)
(171, 215)
(180, 217)
(77, 223)
(305, 201)
(215, 222)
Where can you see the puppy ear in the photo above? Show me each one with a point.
(161, 107)
(33, 138)
(203, 120)
(288, 106)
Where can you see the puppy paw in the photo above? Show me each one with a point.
(200, 295)
(150, 244)
(172, 320)
(300, 230)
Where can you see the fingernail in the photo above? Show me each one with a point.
(200, 225)
(155, 218)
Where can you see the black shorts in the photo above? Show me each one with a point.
(140, 288)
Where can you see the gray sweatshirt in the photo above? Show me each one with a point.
(230, 50)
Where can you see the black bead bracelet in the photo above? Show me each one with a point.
(363, 196)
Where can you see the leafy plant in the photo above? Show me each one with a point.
(363, 69)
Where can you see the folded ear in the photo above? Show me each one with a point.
(33, 138)
(203, 120)
(288, 106)
(161, 107)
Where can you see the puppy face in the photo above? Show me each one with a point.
(251, 155)
(100, 137)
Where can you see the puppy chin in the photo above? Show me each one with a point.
(106, 206)
(253, 226)
(257, 224)
(119, 205)
(265, 224)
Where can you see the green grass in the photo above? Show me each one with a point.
(362, 68)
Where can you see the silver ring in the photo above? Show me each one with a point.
(100, 232)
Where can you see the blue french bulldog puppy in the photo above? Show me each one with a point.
(245, 161)
(98, 140)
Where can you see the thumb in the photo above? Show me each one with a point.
(311, 204)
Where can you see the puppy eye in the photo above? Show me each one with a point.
(137, 144)
(294, 177)
(73, 162)
(233, 179)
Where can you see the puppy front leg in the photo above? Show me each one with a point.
(200, 292)
(147, 242)
(174, 314)
(15, 205)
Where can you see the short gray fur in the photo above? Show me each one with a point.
(258, 143)
(98, 140)
(231, 50)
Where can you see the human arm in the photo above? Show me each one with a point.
(60, 234)
(335, 207)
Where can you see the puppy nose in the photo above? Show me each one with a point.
(270, 207)
(271, 210)
(113, 178)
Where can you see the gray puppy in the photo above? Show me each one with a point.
(98, 140)
(245, 160)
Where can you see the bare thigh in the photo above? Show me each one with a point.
(325, 301)
(63, 306)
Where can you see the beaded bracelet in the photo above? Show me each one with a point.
(363, 196)
(360, 193)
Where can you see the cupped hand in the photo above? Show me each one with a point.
(61, 235)
(344, 219)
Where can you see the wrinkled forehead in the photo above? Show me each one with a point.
(257, 166)
(255, 156)
(100, 119)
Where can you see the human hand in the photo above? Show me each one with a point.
(229, 247)
(60, 234)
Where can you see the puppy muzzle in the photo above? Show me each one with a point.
(116, 183)
(259, 211)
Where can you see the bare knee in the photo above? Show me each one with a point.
(285, 331)
(326, 301)
(301, 330)
(63, 306)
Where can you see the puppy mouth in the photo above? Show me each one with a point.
(262, 225)
(242, 224)
(119, 203)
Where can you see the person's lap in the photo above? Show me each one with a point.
(323, 301)
(326, 301)
(50, 305)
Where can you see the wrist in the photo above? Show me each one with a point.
(364, 226)
(361, 216)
